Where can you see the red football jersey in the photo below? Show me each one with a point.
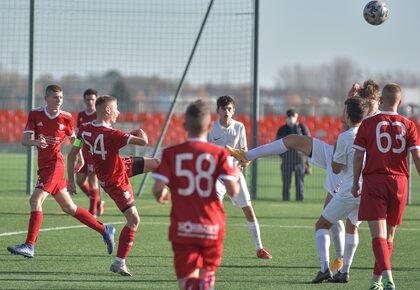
(104, 144)
(54, 129)
(85, 117)
(190, 170)
(386, 137)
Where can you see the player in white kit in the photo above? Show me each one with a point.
(227, 131)
(343, 205)
(320, 154)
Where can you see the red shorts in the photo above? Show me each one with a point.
(51, 179)
(122, 196)
(87, 168)
(383, 198)
(189, 257)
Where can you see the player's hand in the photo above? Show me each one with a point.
(41, 142)
(355, 190)
(165, 197)
(71, 188)
(79, 165)
(354, 91)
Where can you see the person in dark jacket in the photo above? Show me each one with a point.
(292, 160)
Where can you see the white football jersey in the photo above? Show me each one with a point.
(343, 154)
(234, 135)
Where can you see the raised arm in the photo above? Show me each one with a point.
(139, 137)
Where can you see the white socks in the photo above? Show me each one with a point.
(322, 242)
(338, 232)
(254, 229)
(273, 148)
(352, 241)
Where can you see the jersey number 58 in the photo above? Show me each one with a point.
(194, 181)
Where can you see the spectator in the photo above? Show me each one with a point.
(293, 160)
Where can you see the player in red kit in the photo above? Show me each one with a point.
(47, 128)
(104, 144)
(86, 178)
(190, 171)
(385, 140)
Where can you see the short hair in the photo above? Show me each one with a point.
(90, 91)
(53, 89)
(223, 101)
(104, 100)
(391, 93)
(291, 113)
(356, 109)
(197, 117)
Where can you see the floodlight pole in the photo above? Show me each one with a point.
(177, 93)
(31, 95)
(256, 101)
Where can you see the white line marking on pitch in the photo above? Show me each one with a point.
(167, 224)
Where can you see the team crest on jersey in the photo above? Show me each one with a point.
(126, 195)
(60, 127)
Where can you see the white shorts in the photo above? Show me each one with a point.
(340, 208)
(241, 200)
(322, 155)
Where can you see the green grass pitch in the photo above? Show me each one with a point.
(69, 256)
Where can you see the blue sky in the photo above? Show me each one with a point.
(316, 32)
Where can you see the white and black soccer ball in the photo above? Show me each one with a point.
(375, 12)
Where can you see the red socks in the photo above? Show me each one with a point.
(35, 222)
(382, 251)
(125, 242)
(88, 219)
(93, 200)
(85, 188)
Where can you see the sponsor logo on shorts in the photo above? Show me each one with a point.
(126, 195)
(193, 230)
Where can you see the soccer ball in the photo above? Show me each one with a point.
(375, 12)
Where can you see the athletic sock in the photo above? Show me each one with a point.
(352, 241)
(209, 280)
(93, 200)
(35, 221)
(273, 148)
(88, 219)
(125, 242)
(254, 229)
(376, 270)
(322, 242)
(85, 188)
(381, 252)
(338, 233)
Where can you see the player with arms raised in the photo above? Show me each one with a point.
(197, 229)
(86, 178)
(104, 144)
(46, 129)
(385, 139)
